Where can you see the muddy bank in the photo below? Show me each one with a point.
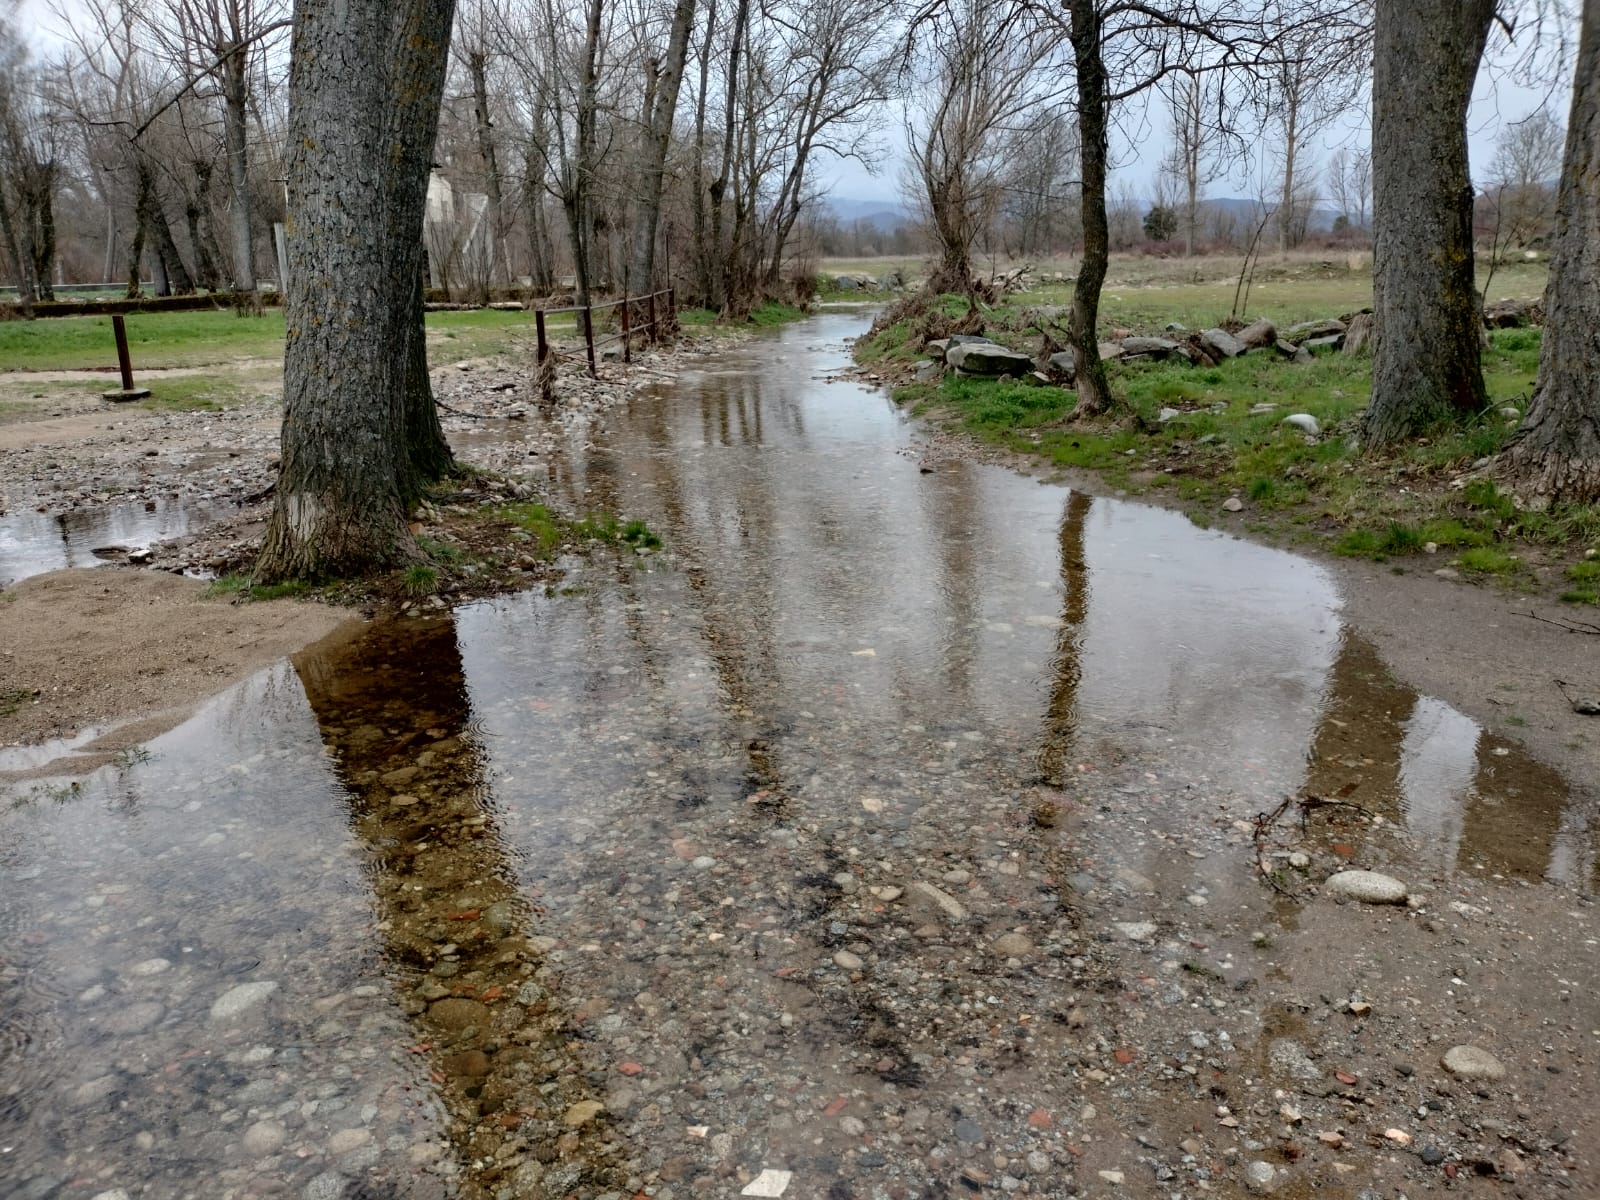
(131, 654)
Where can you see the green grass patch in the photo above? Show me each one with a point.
(12, 701)
(1488, 560)
(240, 588)
(218, 337)
(419, 579)
(547, 530)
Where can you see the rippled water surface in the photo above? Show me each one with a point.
(383, 920)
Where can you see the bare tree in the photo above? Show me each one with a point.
(216, 43)
(1309, 83)
(1195, 158)
(1350, 181)
(1555, 455)
(664, 76)
(976, 74)
(1519, 203)
(1123, 48)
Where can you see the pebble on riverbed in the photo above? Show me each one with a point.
(1369, 887)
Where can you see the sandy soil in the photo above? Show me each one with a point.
(129, 654)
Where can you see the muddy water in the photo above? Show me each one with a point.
(818, 844)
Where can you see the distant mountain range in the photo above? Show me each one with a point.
(883, 214)
(888, 215)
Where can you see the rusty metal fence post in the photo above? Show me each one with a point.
(627, 334)
(588, 338)
(119, 330)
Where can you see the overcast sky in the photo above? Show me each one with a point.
(1498, 100)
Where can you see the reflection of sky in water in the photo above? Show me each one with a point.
(32, 543)
(1438, 762)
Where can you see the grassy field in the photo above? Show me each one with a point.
(207, 339)
(1196, 436)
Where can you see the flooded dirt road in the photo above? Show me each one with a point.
(890, 834)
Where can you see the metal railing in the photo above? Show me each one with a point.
(660, 319)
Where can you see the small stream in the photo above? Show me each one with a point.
(713, 839)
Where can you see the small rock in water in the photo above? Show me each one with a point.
(969, 1131)
(235, 1002)
(1304, 422)
(327, 1186)
(1137, 931)
(770, 1183)
(1473, 1062)
(134, 1018)
(1233, 504)
(582, 1113)
(1369, 887)
(264, 1137)
(1013, 945)
(846, 961)
(1261, 1177)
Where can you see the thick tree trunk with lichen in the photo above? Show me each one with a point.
(1089, 373)
(359, 436)
(1427, 367)
(1556, 454)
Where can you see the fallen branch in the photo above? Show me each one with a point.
(1580, 627)
(1583, 705)
(1307, 804)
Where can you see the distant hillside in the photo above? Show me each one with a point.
(882, 214)
(1321, 219)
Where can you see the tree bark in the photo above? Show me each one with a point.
(657, 137)
(1094, 393)
(359, 437)
(1427, 366)
(1556, 453)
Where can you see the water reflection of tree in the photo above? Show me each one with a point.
(1066, 664)
(1471, 798)
(396, 718)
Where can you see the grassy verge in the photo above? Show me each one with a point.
(1200, 438)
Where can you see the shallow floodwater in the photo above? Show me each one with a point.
(32, 543)
(383, 920)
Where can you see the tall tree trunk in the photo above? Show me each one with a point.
(478, 70)
(42, 218)
(1291, 138)
(1556, 453)
(22, 262)
(1427, 366)
(1094, 393)
(541, 254)
(367, 78)
(236, 97)
(657, 137)
(722, 270)
(703, 256)
(135, 256)
(153, 217)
